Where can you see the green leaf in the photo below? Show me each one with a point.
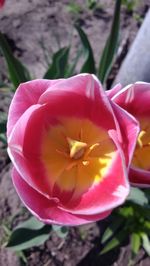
(3, 138)
(146, 243)
(31, 223)
(116, 241)
(18, 72)
(74, 8)
(28, 234)
(147, 223)
(138, 196)
(135, 243)
(3, 122)
(62, 231)
(59, 64)
(71, 68)
(3, 126)
(91, 4)
(126, 211)
(147, 193)
(109, 232)
(89, 64)
(129, 4)
(110, 46)
(23, 259)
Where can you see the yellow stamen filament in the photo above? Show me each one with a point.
(139, 141)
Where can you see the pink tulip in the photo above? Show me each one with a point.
(2, 3)
(135, 99)
(71, 148)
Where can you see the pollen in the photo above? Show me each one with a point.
(140, 137)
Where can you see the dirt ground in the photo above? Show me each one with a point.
(26, 24)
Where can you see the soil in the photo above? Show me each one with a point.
(26, 24)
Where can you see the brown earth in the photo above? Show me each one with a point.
(26, 24)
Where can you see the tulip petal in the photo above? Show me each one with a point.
(26, 95)
(129, 127)
(47, 210)
(80, 96)
(114, 91)
(139, 177)
(135, 99)
(82, 84)
(28, 164)
(132, 97)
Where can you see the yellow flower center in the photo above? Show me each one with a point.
(141, 158)
(76, 154)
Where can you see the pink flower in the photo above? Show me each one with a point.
(135, 98)
(71, 148)
(2, 3)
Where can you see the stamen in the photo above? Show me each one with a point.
(92, 147)
(62, 153)
(77, 148)
(139, 141)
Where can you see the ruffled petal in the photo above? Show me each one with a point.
(129, 128)
(47, 210)
(29, 165)
(80, 96)
(114, 91)
(134, 98)
(26, 95)
(139, 177)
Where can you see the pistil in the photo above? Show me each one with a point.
(77, 148)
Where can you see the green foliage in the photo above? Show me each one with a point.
(130, 4)
(71, 69)
(111, 229)
(58, 68)
(73, 8)
(89, 63)
(111, 45)
(32, 233)
(130, 220)
(3, 121)
(114, 242)
(3, 138)
(138, 196)
(17, 71)
(61, 231)
(146, 242)
(28, 234)
(135, 243)
(92, 4)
